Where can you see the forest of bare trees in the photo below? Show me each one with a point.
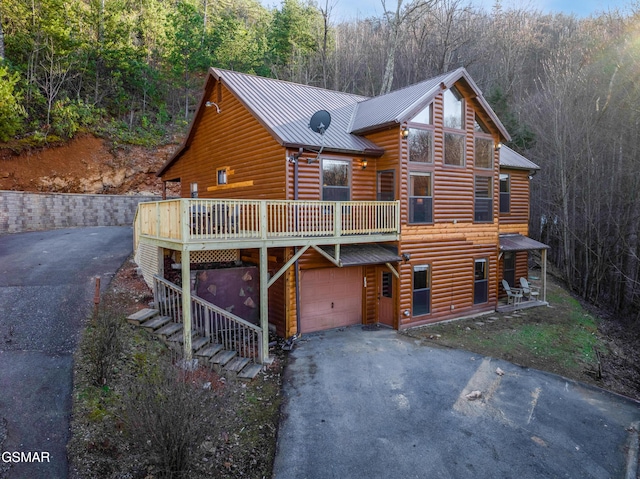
(567, 89)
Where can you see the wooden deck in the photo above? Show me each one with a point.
(201, 224)
(510, 308)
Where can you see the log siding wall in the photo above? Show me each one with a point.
(450, 245)
(231, 139)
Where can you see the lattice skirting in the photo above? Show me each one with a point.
(216, 256)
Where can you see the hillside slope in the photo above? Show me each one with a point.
(85, 165)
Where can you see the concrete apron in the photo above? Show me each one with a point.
(367, 404)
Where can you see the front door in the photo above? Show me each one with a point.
(385, 296)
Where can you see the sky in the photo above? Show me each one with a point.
(350, 9)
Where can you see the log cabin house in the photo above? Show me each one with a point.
(404, 210)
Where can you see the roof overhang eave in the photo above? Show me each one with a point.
(372, 152)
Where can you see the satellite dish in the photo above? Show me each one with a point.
(320, 121)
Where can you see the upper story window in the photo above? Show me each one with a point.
(420, 198)
(505, 193)
(222, 176)
(484, 154)
(420, 143)
(483, 207)
(453, 109)
(335, 180)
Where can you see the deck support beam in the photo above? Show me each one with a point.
(263, 348)
(186, 305)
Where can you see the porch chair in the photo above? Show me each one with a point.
(514, 295)
(531, 292)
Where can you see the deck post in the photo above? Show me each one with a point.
(263, 347)
(544, 275)
(186, 304)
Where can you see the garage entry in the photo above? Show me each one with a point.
(330, 298)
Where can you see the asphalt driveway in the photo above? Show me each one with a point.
(377, 404)
(47, 284)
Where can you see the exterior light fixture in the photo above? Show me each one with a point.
(498, 146)
(406, 256)
(404, 132)
(364, 163)
(209, 104)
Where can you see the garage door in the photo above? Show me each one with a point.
(330, 298)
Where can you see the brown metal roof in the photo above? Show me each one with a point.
(516, 242)
(511, 159)
(360, 254)
(285, 108)
(401, 105)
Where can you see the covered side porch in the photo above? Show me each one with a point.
(514, 243)
(195, 225)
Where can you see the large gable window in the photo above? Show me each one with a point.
(420, 198)
(454, 149)
(335, 180)
(483, 211)
(420, 145)
(425, 116)
(484, 155)
(453, 109)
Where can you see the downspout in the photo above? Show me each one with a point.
(295, 249)
(289, 344)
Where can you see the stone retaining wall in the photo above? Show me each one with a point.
(21, 211)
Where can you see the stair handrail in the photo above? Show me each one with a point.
(209, 326)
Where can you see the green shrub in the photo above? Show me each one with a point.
(11, 111)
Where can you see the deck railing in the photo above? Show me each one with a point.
(210, 321)
(206, 219)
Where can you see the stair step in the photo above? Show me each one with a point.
(209, 351)
(169, 330)
(156, 322)
(178, 336)
(250, 371)
(222, 358)
(142, 315)
(236, 364)
(199, 343)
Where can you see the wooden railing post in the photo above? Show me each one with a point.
(264, 229)
(337, 219)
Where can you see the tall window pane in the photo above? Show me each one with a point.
(453, 109)
(420, 146)
(421, 290)
(453, 149)
(420, 198)
(335, 180)
(505, 193)
(484, 153)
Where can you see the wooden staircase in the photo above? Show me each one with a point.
(221, 360)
